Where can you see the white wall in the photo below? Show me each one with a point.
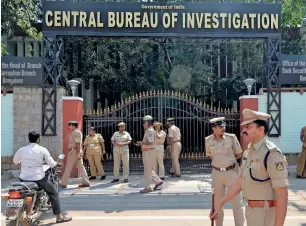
(293, 118)
(7, 127)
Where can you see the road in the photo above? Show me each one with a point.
(182, 201)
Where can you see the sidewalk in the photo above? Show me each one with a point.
(187, 185)
(181, 201)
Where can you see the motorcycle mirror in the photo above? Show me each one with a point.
(61, 156)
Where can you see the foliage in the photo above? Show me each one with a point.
(121, 67)
(20, 15)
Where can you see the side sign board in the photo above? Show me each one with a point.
(21, 71)
(293, 69)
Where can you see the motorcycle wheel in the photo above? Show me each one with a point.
(21, 219)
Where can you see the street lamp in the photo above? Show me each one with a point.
(73, 85)
(249, 83)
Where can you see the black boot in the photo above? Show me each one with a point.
(103, 177)
(115, 180)
(92, 178)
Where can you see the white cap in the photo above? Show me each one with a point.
(147, 118)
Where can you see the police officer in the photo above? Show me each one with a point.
(148, 145)
(262, 177)
(223, 149)
(301, 166)
(75, 156)
(157, 156)
(174, 147)
(93, 148)
(121, 140)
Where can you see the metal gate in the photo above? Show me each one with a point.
(191, 116)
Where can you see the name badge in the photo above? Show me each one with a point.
(91, 145)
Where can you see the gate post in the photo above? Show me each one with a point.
(72, 111)
(250, 102)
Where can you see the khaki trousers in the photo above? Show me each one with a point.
(149, 174)
(157, 160)
(71, 161)
(260, 216)
(95, 164)
(301, 165)
(121, 155)
(175, 154)
(221, 180)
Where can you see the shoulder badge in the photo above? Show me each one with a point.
(279, 166)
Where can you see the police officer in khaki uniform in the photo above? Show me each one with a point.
(157, 155)
(223, 149)
(174, 147)
(75, 156)
(147, 145)
(121, 140)
(93, 148)
(301, 166)
(262, 177)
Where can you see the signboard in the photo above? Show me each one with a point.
(293, 69)
(21, 71)
(160, 19)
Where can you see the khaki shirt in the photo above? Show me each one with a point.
(252, 169)
(174, 133)
(222, 152)
(93, 144)
(121, 137)
(75, 137)
(149, 137)
(162, 138)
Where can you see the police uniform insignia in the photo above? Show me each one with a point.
(279, 166)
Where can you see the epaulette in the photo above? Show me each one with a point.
(229, 134)
(271, 146)
(208, 137)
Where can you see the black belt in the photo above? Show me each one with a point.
(225, 169)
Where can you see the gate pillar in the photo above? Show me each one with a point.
(72, 111)
(250, 102)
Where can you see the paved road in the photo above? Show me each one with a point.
(182, 201)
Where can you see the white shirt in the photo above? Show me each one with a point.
(32, 158)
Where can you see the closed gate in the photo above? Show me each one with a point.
(191, 116)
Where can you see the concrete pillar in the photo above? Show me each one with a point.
(20, 47)
(69, 103)
(250, 102)
(27, 47)
(36, 48)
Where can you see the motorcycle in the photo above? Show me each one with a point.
(26, 201)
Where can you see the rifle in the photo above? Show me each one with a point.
(212, 205)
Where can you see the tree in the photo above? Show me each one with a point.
(20, 15)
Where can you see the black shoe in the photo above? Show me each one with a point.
(103, 177)
(125, 180)
(162, 178)
(92, 178)
(171, 173)
(115, 180)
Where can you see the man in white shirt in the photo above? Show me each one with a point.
(31, 158)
